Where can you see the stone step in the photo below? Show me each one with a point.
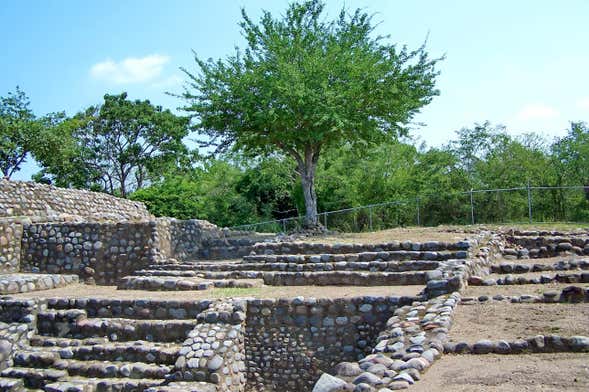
(32, 377)
(59, 322)
(209, 271)
(122, 329)
(523, 268)
(400, 255)
(11, 384)
(183, 386)
(344, 278)
(136, 351)
(51, 341)
(83, 384)
(317, 248)
(143, 309)
(172, 283)
(112, 369)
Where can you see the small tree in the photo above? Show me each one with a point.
(19, 130)
(304, 85)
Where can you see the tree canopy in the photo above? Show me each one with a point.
(305, 85)
(118, 146)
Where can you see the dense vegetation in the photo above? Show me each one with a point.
(230, 190)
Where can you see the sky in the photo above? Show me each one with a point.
(523, 64)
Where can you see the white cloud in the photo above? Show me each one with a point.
(537, 112)
(583, 103)
(130, 70)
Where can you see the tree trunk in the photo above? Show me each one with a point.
(307, 173)
(308, 183)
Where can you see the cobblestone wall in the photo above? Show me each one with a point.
(97, 252)
(199, 239)
(38, 200)
(10, 236)
(290, 342)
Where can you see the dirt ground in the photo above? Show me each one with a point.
(507, 373)
(81, 290)
(532, 289)
(419, 234)
(512, 321)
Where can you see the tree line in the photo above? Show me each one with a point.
(314, 115)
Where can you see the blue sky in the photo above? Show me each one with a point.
(520, 63)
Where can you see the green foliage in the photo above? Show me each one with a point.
(208, 193)
(305, 85)
(21, 132)
(118, 146)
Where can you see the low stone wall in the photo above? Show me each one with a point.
(10, 237)
(39, 200)
(344, 278)
(509, 279)
(524, 268)
(535, 344)
(98, 252)
(289, 342)
(570, 294)
(545, 246)
(23, 283)
(214, 349)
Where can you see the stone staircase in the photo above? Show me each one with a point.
(291, 264)
(107, 345)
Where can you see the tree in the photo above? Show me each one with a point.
(305, 85)
(119, 145)
(19, 129)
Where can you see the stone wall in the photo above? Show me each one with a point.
(50, 202)
(199, 239)
(214, 349)
(98, 252)
(10, 236)
(289, 342)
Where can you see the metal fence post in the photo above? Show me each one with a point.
(284, 226)
(325, 219)
(529, 202)
(471, 207)
(418, 215)
(370, 217)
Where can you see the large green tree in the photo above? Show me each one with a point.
(305, 84)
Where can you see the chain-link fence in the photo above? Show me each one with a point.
(530, 204)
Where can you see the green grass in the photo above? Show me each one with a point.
(237, 291)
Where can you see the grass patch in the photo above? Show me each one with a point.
(236, 291)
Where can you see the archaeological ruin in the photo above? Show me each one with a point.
(99, 295)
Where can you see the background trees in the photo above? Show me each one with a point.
(22, 133)
(118, 146)
(304, 86)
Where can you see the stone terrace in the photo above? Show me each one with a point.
(127, 340)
